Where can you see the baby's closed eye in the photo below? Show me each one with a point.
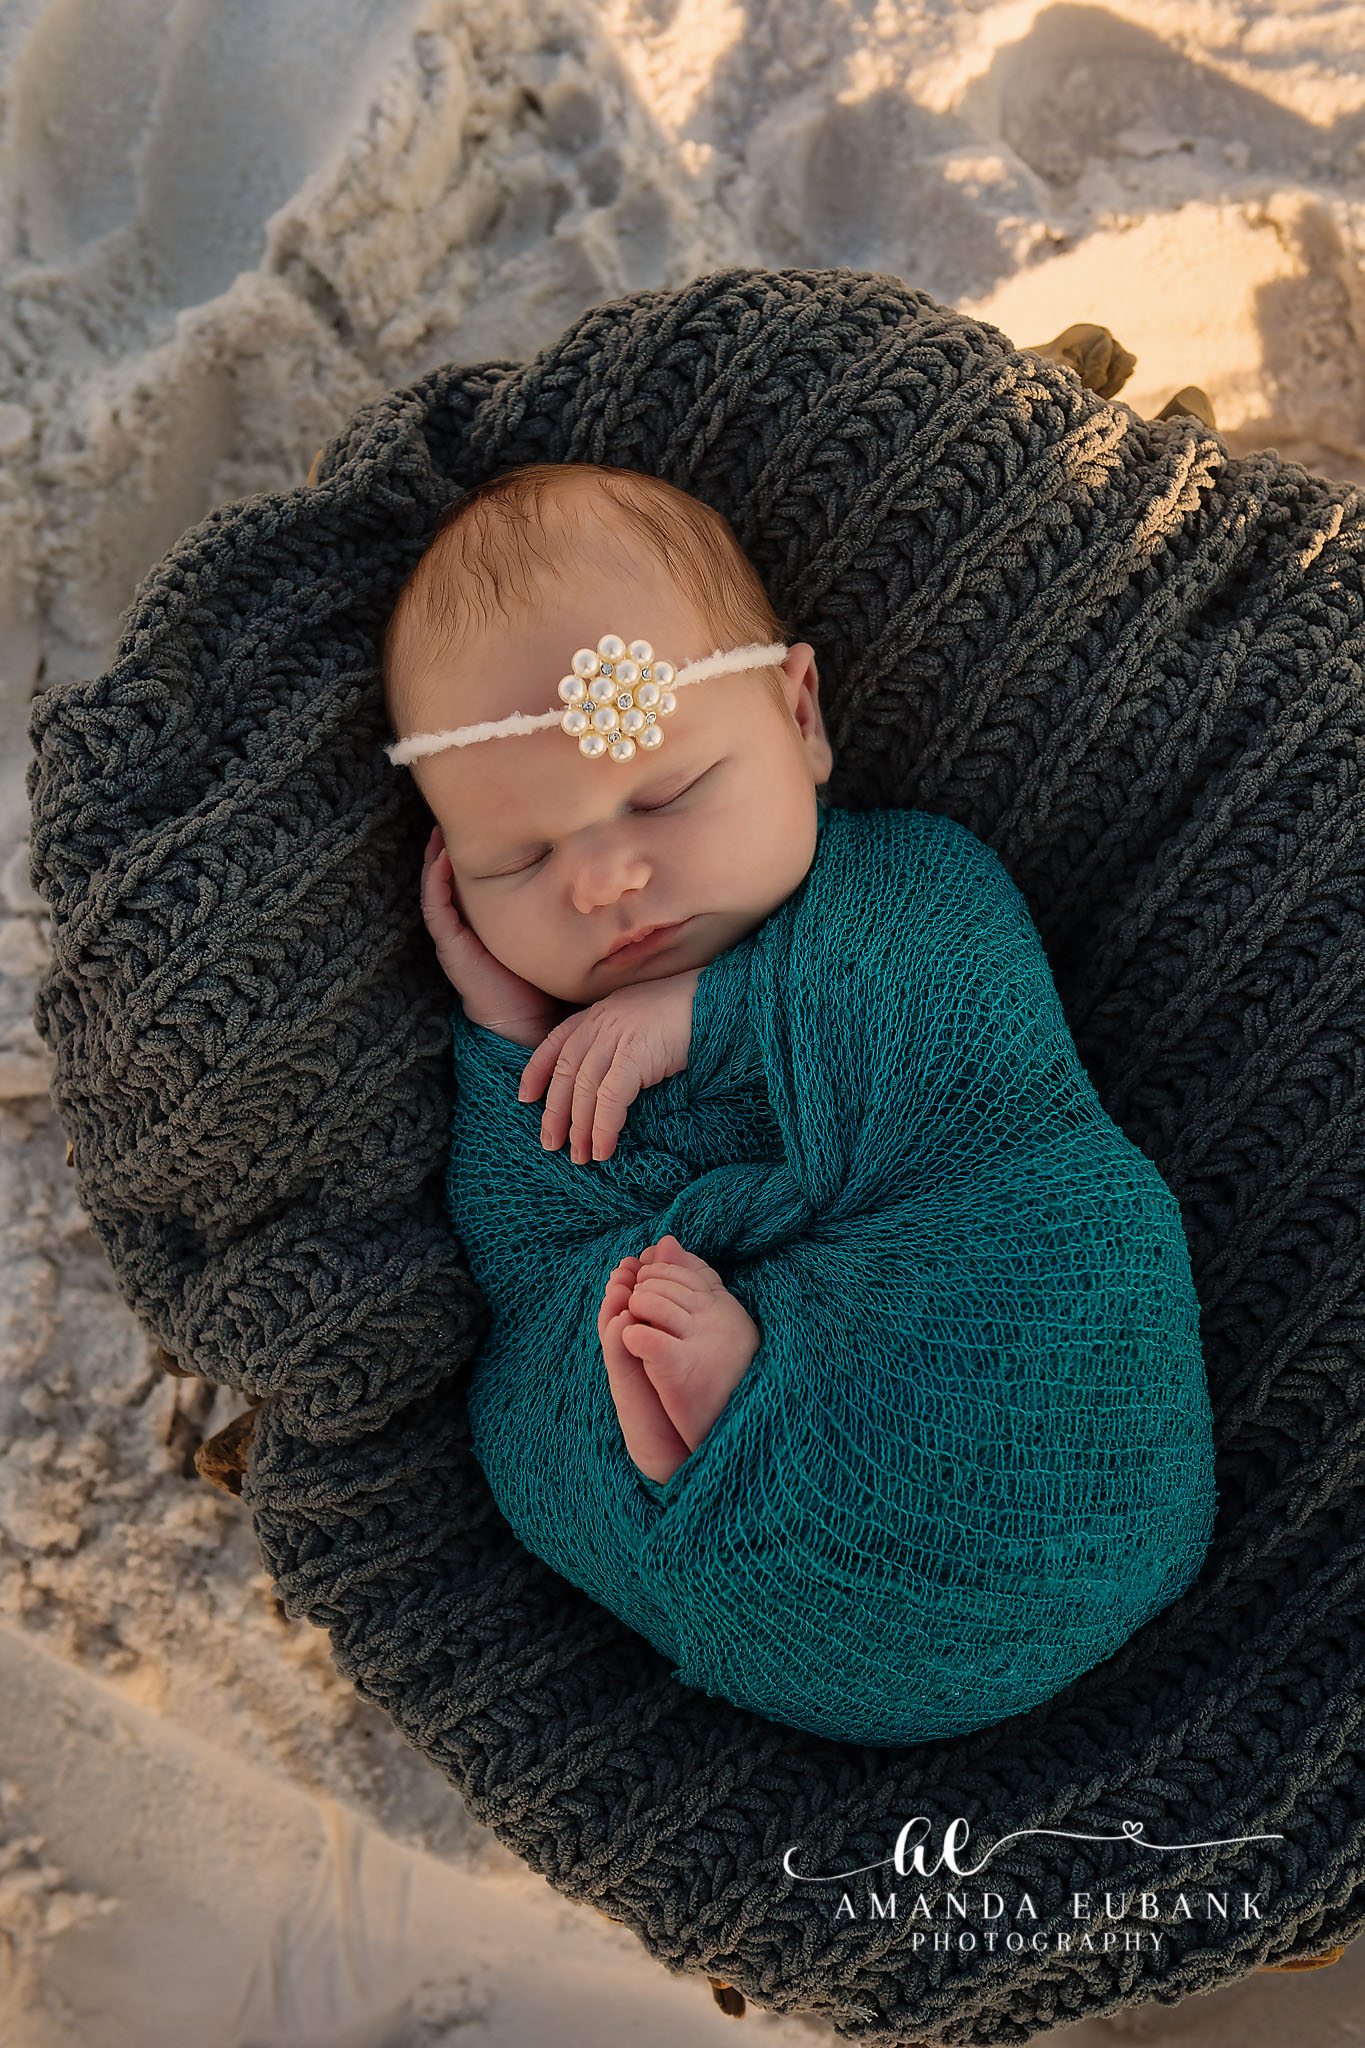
(526, 867)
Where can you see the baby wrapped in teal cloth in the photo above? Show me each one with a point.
(973, 1452)
(929, 1436)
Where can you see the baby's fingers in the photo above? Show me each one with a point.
(435, 853)
(572, 1049)
(442, 918)
(541, 1061)
(571, 1102)
(605, 1101)
(533, 1073)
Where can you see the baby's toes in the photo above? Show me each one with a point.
(617, 1295)
(665, 1251)
(669, 1252)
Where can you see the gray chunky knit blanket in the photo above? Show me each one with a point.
(1131, 663)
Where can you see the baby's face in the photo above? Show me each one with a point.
(556, 856)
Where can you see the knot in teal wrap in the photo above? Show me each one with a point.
(974, 1451)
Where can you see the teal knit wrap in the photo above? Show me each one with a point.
(974, 1451)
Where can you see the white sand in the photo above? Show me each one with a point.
(225, 224)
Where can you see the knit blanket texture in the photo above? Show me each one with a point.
(1129, 661)
(974, 1451)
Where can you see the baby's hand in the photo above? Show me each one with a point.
(490, 994)
(605, 1056)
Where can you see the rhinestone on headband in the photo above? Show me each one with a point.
(631, 693)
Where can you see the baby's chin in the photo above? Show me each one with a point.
(613, 977)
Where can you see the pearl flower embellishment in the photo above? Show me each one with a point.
(616, 696)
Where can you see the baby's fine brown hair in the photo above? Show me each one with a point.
(484, 560)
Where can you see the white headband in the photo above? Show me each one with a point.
(630, 689)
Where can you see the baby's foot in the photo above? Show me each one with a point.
(676, 1343)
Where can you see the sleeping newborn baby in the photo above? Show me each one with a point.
(851, 1355)
(536, 873)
